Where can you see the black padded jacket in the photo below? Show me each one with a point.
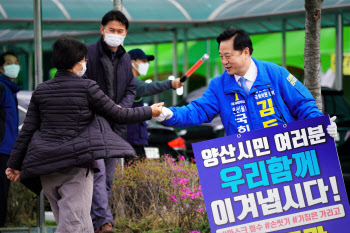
(62, 128)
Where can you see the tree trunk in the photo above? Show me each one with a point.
(312, 62)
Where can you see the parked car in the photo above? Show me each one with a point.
(23, 98)
(335, 104)
(164, 140)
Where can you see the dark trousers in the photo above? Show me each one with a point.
(4, 188)
(102, 189)
(140, 152)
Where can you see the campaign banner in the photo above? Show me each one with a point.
(285, 178)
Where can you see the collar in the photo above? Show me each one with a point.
(250, 74)
(13, 86)
(261, 81)
(262, 78)
(66, 74)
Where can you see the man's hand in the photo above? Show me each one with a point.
(165, 115)
(332, 128)
(157, 109)
(176, 83)
(12, 174)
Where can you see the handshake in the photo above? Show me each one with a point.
(161, 113)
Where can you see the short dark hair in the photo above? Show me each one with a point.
(2, 57)
(67, 52)
(115, 15)
(241, 41)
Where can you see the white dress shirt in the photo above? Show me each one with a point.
(250, 75)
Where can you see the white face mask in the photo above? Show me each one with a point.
(12, 71)
(81, 73)
(113, 40)
(143, 68)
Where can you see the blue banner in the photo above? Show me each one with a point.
(286, 178)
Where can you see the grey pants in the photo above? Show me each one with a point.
(70, 193)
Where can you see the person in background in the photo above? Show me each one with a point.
(109, 65)
(137, 134)
(52, 72)
(250, 94)
(9, 69)
(62, 136)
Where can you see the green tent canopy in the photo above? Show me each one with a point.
(267, 47)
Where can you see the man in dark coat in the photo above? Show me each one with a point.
(109, 65)
(9, 69)
(137, 134)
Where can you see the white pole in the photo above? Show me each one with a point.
(38, 73)
(339, 53)
(38, 56)
(185, 66)
(118, 5)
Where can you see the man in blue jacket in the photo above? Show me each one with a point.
(249, 95)
(9, 69)
(137, 134)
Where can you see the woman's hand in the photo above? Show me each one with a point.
(12, 174)
(157, 109)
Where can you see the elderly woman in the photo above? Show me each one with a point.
(62, 136)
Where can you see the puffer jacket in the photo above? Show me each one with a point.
(61, 128)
